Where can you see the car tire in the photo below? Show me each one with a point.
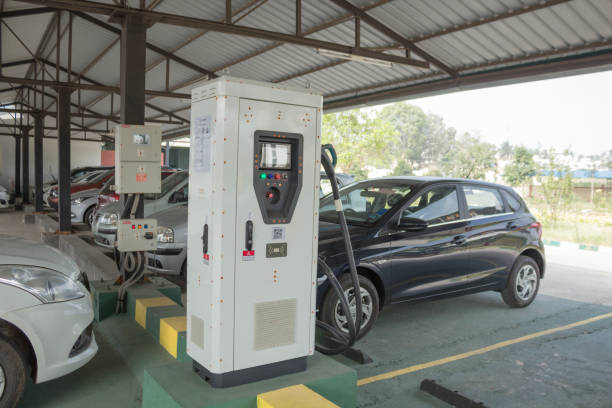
(88, 216)
(331, 304)
(13, 374)
(523, 283)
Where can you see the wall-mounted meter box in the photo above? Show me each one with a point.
(137, 235)
(252, 229)
(137, 159)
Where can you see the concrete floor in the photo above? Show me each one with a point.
(569, 368)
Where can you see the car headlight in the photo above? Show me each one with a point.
(109, 219)
(165, 234)
(76, 201)
(47, 285)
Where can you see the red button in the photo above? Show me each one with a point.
(269, 195)
(277, 176)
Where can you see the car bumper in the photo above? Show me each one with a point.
(60, 333)
(167, 259)
(76, 212)
(104, 235)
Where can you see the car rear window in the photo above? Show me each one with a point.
(483, 201)
(512, 201)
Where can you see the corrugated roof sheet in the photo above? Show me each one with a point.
(448, 30)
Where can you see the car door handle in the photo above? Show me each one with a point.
(511, 226)
(459, 240)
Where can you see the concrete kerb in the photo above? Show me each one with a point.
(577, 246)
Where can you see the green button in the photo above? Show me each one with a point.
(263, 176)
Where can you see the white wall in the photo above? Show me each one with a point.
(81, 154)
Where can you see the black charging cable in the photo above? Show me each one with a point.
(341, 340)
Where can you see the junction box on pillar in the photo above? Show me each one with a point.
(252, 234)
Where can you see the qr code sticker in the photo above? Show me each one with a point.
(278, 232)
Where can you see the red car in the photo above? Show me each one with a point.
(94, 179)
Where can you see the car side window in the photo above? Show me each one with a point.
(482, 201)
(326, 187)
(513, 203)
(435, 206)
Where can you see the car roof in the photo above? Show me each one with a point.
(424, 180)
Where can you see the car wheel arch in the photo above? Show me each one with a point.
(14, 334)
(537, 257)
(374, 276)
(92, 208)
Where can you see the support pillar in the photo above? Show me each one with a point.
(133, 68)
(25, 137)
(38, 161)
(167, 155)
(17, 186)
(63, 142)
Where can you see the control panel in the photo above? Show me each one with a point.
(137, 235)
(277, 174)
(137, 159)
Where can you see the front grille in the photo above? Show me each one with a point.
(168, 251)
(154, 263)
(106, 230)
(82, 342)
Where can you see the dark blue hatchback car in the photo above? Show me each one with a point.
(422, 238)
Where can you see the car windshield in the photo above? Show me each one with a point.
(106, 188)
(90, 177)
(364, 203)
(168, 184)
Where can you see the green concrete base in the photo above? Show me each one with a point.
(104, 295)
(177, 386)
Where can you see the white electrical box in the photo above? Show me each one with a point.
(137, 159)
(137, 235)
(252, 232)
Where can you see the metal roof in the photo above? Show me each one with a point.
(466, 43)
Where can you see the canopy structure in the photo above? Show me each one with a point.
(354, 52)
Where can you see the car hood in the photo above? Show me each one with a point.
(18, 251)
(115, 208)
(2, 189)
(92, 192)
(330, 232)
(173, 217)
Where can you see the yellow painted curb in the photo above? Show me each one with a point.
(169, 329)
(140, 312)
(296, 396)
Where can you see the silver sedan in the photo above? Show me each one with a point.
(82, 205)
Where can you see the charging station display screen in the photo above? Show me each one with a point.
(141, 139)
(275, 156)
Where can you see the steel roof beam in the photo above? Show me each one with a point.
(88, 87)
(193, 22)
(383, 28)
(504, 75)
(27, 12)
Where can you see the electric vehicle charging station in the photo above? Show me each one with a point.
(252, 233)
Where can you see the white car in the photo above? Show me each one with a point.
(46, 316)
(6, 200)
(82, 205)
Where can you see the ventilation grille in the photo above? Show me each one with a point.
(197, 331)
(275, 324)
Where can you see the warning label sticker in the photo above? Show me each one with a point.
(248, 255)
(141, 177)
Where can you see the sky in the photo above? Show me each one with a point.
(566, 112)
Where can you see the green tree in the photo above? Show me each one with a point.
(422, 140)
(360, 140)
(522, 167)
(402, 168)
(469, 158)
(557, 188)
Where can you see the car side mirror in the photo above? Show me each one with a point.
(411, 224)
(177, 197)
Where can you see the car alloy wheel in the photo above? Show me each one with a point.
(526, 282)
(366, 303)
(2, 381)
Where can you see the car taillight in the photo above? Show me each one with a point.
(538, 228)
